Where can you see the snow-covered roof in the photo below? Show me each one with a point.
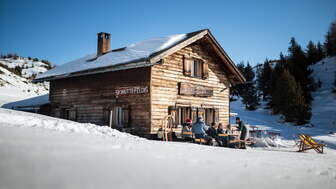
(135, 52)
(29, 102)
(140, 54)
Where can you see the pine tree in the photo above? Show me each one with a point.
(289, 99)
(335, 80)
(330, 40)
(275, 74)
(298, 67)
(237, 90)
(312, 53)
(320, 52)
(264, 80)
(249, 91)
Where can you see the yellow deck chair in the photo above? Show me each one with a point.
(308, 143)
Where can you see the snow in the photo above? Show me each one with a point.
(14, 87)
(324, 104)
(33, 101)
(42, 152)
(132, 53)
(288, 132)
(29, 67)
(323, 111)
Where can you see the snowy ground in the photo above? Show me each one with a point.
(324, 104)
(14, 87)
(323, 110)
(42, 152)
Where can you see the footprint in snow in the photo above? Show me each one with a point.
(324, 173)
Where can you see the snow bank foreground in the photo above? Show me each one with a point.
(24, 119)
(87, 156)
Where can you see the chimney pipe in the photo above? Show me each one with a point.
(103, 43)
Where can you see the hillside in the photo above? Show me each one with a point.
(323, 119)
(36, 149)
(324, 103)
(16, 74)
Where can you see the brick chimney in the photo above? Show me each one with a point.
(103, 43)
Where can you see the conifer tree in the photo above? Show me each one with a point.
(312, 53)
(330, 40)
(335, 80)
(275, 74)
(264, 80)
(320, 51)
(289, 99)
(249, 91)
(237, 90)
(298, 67)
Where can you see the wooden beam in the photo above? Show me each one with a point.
(178, 46)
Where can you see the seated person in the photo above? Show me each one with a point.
(220, 129)
(223, 139)
(187, 128)
(199, 129)
(213, 132)
(228, 129)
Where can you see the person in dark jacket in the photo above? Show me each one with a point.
(186, 129)
(243, 130)
(213, 132)
(220, 129)
(199, 129)
(187, 125)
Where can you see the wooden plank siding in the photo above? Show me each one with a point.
(166, 76)
(91, 94)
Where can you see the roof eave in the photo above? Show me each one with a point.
(123, 66)
(189, 40)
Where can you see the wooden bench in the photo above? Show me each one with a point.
(307, 143)
(194, 139)
(200, 140)
(187, 133)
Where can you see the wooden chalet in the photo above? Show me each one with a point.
(135, 87)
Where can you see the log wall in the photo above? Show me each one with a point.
(91, 94)
(164, 85)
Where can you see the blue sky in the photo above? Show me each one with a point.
(63, 30)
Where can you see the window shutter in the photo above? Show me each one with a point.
(57, 112)
(126, 116)
(193, 114)
(216, 115)
(187, 65)
(105, 116)
(73, 114)
(205, 70)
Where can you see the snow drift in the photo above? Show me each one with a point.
(41, 152)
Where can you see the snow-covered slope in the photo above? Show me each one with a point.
(323, 110)
(324, 104)
(15, 79)
(41, 152)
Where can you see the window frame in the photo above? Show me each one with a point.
(196, 68)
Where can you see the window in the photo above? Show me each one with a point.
(209, 116)
(195, 67)
(116, 117)
(181, 114)
(68, 113)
